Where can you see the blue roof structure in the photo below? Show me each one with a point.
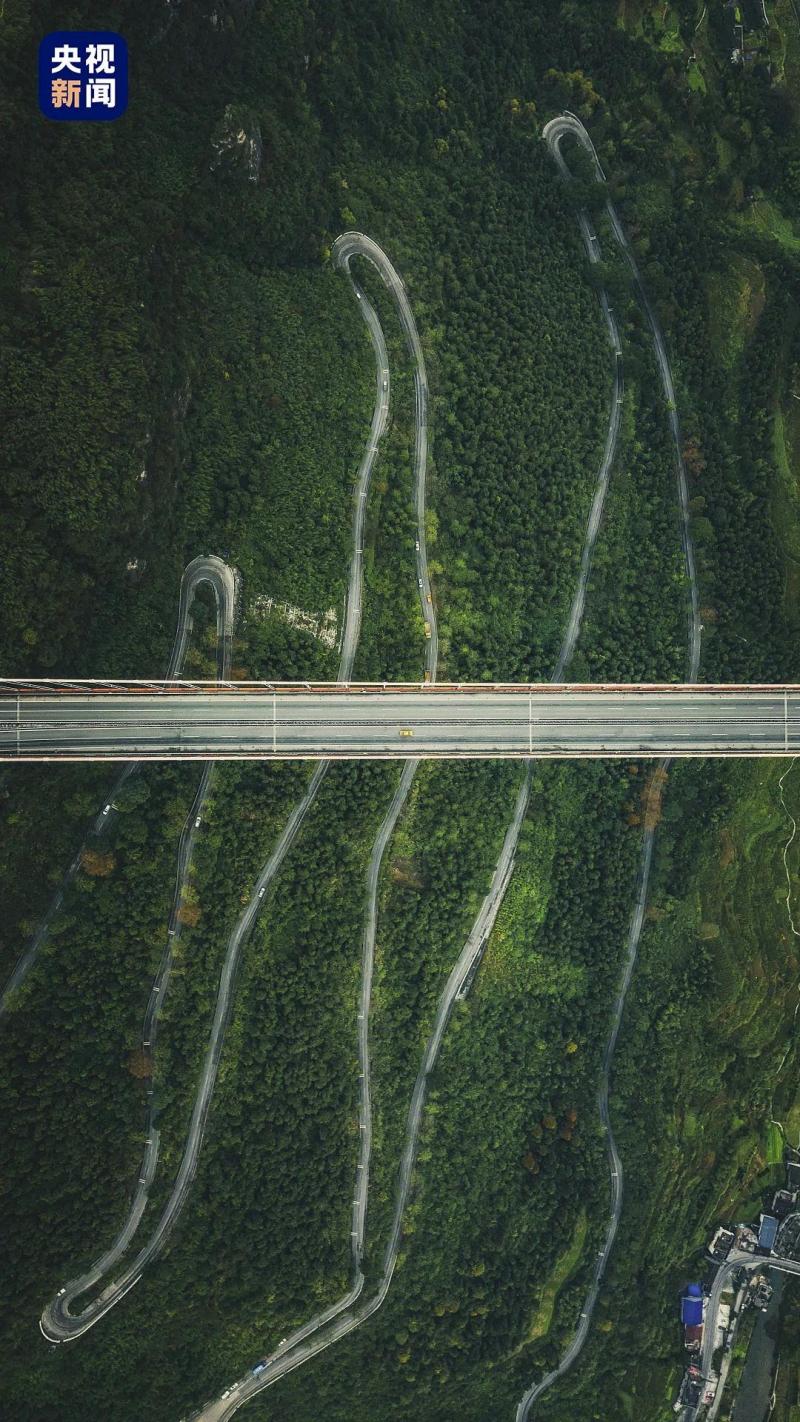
(767, 1230)
(692, 1306)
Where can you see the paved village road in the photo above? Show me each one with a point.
(737, 1259)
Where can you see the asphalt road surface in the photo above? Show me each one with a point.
(326, 1327)
(737, 1259)
(296, 1350)
(58, 1322)
(205, 569)
(551, 721)
(356, 244)
(554, 133)
(315, 1337)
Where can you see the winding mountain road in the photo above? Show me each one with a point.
(345, 248)
(224, 581)
(296, 1350)
(336, 1322)
(58, 1323)
(554, 134)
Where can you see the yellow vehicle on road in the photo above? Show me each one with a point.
(406, 731)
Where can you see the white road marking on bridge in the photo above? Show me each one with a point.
(274, 721)
(786, 720)
(530, 723)
(17, 723)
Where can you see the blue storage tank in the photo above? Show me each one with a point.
(692, 1306)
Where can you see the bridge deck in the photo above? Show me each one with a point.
(168, 721)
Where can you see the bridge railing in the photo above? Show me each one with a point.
(68, 686)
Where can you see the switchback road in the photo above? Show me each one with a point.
(224, 582)
(325, 1327)
(58, 1323)
(554, 133)
(300, 1347)
(345, 248)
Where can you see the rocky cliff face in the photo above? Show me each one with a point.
(237, 144)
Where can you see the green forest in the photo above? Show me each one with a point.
(184, 372)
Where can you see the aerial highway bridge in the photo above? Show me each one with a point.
(189, 720)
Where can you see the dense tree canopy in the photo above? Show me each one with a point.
(184, 372)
